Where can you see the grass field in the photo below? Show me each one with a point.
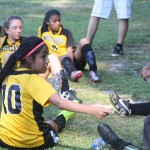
(119, 74)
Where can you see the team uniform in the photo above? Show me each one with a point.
(57, 43)
(24, 96)
(8, 48)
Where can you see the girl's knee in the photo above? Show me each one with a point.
(84, 41)
(52, 56)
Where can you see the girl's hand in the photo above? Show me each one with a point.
(145, 71)
(101, 111)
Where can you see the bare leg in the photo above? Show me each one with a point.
(92, 28)
(122, 30)
(53, 124)
(78, 54)
(54, 66)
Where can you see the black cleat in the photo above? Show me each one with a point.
(121, 105)
(110, 137)
(69, 95)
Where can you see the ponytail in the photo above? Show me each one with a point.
(2, 31)
(8, 68)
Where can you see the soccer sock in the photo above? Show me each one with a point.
(67, 114)
(119, 45)
(62, 118)
(89, 56)
(61, 122)
(65, 84)
(140, 108)
(68, 65)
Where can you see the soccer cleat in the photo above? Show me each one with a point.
(75, 75)
(114, 140)
(132, 147)
(121, 105)
(94, 76)
(117, 51)
(69, 95)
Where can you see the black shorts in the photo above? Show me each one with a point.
(79, 65)
(49, 142)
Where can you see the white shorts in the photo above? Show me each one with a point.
(103, 8)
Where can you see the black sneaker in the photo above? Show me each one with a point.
(117, 51)
(121, 105)
(69, 95)
(112, 139)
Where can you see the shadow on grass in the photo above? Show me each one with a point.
(72, 147)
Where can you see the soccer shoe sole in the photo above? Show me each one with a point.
(114, 101)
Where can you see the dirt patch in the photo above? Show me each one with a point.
(116, 67)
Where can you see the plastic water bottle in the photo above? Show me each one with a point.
(148, 79)
(56, 82)
(99, 144)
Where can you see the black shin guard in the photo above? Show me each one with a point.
(65, 84)
(68, 65)
(89, 56)
(61, 122)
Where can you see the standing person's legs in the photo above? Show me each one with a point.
(122, 30)
(92, 28)
(101, 9)
(123, 10)
(146, 133)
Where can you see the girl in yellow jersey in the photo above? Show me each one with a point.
(60, 42)
(12, 39)
(25, 93)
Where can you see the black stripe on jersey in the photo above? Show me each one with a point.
(21, 72)
(5, 42)
(43, 127)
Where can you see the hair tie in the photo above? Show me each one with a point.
(33, 50)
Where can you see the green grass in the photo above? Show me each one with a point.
(119, 74)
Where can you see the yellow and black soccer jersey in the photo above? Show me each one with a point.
(8, 48)
(57, 43)
(24, 96)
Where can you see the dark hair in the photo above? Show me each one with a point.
(26, 46)
(48, 15)
(2, 31)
